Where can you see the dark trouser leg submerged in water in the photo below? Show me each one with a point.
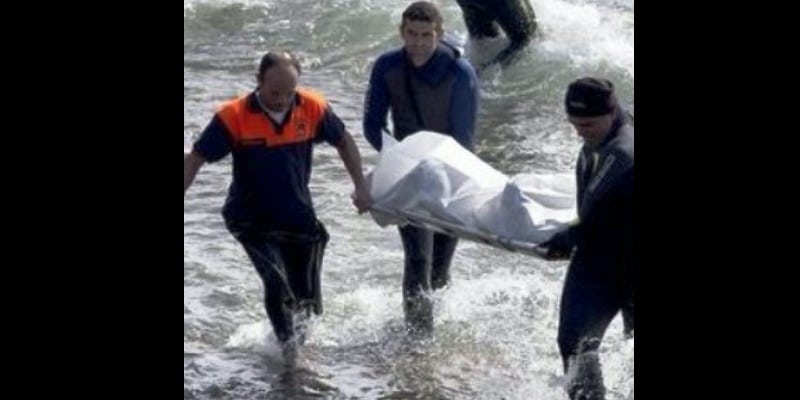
(289, 265)
(515, 17)
(586, 311)
(427, 266)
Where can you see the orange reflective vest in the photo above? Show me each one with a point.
(249, 126)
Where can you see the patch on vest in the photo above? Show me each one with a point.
(302, 128)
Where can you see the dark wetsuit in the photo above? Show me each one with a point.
(515, 17)
(600, 279)
(439, 96)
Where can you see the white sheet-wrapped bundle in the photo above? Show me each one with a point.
(431, 175)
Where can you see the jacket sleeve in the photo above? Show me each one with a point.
(464, 104)
(376, 105)
(215, 141)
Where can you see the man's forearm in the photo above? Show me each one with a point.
(191, 164)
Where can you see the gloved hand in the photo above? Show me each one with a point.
(559, 246)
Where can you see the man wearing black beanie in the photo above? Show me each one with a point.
(600, 278)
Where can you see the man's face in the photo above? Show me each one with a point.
(277, 87)
(592, 129)
(420, 39)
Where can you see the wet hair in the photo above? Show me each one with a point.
(422, 11)
(283, 58)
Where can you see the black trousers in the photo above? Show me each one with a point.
(427, 266)
(515, 17)
(290, 265)
(588, 305)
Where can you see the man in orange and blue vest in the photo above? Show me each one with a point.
(270, 134)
